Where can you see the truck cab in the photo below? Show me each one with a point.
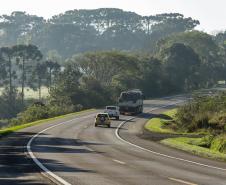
(131, 101)
(113, 111)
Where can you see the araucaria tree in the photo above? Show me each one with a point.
(26, 56)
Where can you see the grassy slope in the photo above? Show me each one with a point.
(18, 127)
(157, 124)
(184, 143)
(192, 145)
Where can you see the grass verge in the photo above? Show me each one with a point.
(157, 124)
(205, 145)
(11, 129)
(184, 143)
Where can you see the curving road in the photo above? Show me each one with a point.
(73, 151)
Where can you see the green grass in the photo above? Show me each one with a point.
(157, 124)
(171, 113)
(205, 146)
(219, 143)
(11, 129)
(191, 145)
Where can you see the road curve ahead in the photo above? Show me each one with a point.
(73, 151)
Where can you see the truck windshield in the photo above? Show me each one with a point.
(111, 108)
(130, 96)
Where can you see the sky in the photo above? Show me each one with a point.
(210, 13)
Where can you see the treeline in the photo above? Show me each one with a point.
(170, 58)
(22, 66)
(181, 63)
(79, 31)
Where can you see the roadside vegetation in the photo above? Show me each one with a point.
(163, 124)
(101, 53)
(200, 125)
(14, 127)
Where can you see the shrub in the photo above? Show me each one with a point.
(33, 113)
(219, 143)
(206, 112)
(56, 110)
(218, 121)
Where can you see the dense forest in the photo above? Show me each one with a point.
(85, 58)
(79, 31)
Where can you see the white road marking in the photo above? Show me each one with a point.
(47, 172)
(182, 181)
(157, 153)
(117, 161)
(91, 150)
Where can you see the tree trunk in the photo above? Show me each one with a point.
(10, 81)
(39, 88)
(50, 79)
(23, 80)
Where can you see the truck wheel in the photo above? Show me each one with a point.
(117, 118)
(109, 126)
(95, 125)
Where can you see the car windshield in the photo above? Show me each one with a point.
(102, 115)
(111, 108)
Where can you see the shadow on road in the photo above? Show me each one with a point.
(17, 168)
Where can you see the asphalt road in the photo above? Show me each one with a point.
(73, 151)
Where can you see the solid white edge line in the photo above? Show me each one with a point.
(117, 161)
(181, 181)
(62, 181)
(37, 162)
(157, 153)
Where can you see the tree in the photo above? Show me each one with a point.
(67, 84)
(26, 54)
(18, 26)
(212, 62)
(151, 76)
(91, 30)
(7, 72)
(53, 55)
(181, 66)
(39, 77)
(102, 66)
(52, 69)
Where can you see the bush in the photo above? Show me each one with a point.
(207, 112)
(15, 121)
(219, 144)
(34, 113)
(218, 121)
(56, 110)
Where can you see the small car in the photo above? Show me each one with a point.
(102, 119)
(113, 111)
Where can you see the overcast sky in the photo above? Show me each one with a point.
(211, 13)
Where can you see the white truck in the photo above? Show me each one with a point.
(113, 111)
(131, 101)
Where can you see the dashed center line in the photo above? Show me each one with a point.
(117, 161)
(182, 181)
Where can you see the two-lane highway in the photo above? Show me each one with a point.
(73, 151)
